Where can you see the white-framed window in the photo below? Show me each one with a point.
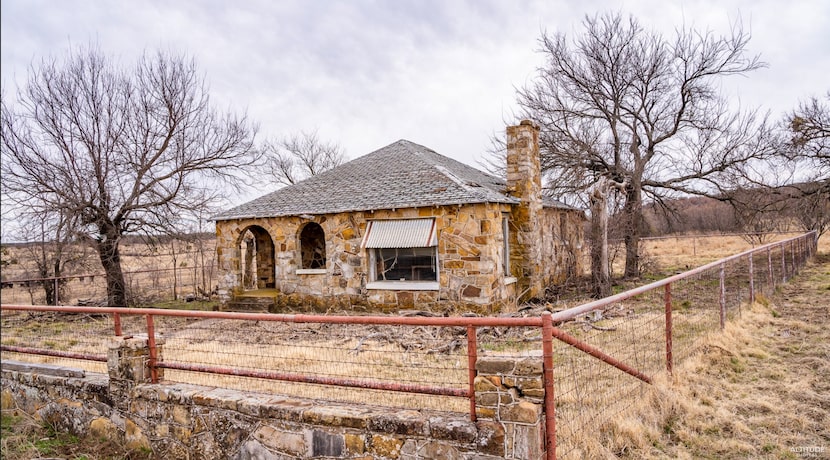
(405, 264)
(403, 254)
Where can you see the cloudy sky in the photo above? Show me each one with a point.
(365, 73)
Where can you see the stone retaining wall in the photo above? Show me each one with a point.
(197, 422)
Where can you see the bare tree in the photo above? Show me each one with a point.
(809, 205)
(54, 248)
(795, 187)
(127, 150)
(642, 111)
(300, 156)
(810, 129)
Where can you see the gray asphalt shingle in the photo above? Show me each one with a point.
(400, 175)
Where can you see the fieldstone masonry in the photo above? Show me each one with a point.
(524, 181)
(510, 391)
(195, 422)
(544, 244)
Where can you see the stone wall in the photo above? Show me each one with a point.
(562, 245)
(187, 421)
(470, 252)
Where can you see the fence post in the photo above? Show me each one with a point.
(770, 273)
(472, 357)
(116, 319)
(57, 293)
(547, 376)
(128, 365)
(792, 256)
(722, 296)
(667, 299)
(751, 279)
(783, 263)
(151, 345)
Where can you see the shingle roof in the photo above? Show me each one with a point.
(400, 175)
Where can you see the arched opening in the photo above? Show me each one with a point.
(256, 255)
(313, 247)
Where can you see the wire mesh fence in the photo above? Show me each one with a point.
(144, 287)
(650, 329)
(605, 352)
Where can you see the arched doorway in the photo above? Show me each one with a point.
(256, 256)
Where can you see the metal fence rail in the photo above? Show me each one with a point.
(597, 357)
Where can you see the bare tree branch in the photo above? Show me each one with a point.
(642, 111)
(300, 156)
(124, 150)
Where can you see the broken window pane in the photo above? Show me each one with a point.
(313, 246)
(406, 264)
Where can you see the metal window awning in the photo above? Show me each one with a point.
(400, 233)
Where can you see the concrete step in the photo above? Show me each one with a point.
(250, 304)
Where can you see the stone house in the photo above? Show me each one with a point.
(405, 226)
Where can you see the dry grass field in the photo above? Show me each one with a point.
(757, 390)
(760, 389)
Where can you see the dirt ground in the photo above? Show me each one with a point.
(759, 390)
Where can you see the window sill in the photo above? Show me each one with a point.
(510, 280)
(311, 271)
(403, 285)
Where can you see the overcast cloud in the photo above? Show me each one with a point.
(367, 73)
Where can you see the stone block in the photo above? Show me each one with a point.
(523, 383)
(406, 422)
(355, 444)
(488, 399)
(529, 366)
(482, 384)
(453, 264)
(521, 412)
(490, 439)
(181, 433)
(134, 438)
(104, 428)
(325, 444)
(219, 397)
(471, 291)
(437, 449)
(528, 441)
(339, 416)
(181, 415)
(485, 413)
(488, 365)
(250, 450)
(386, 446)
(284, 409)
(406, 299)
(284, 441)
(463, 431)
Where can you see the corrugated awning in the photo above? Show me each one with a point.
(400, 233)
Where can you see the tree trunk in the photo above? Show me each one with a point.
(175, 271)
(600, 274)
(58, 282)
(633, 214)
(110, 255)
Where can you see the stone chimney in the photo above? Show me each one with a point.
(524, 181)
